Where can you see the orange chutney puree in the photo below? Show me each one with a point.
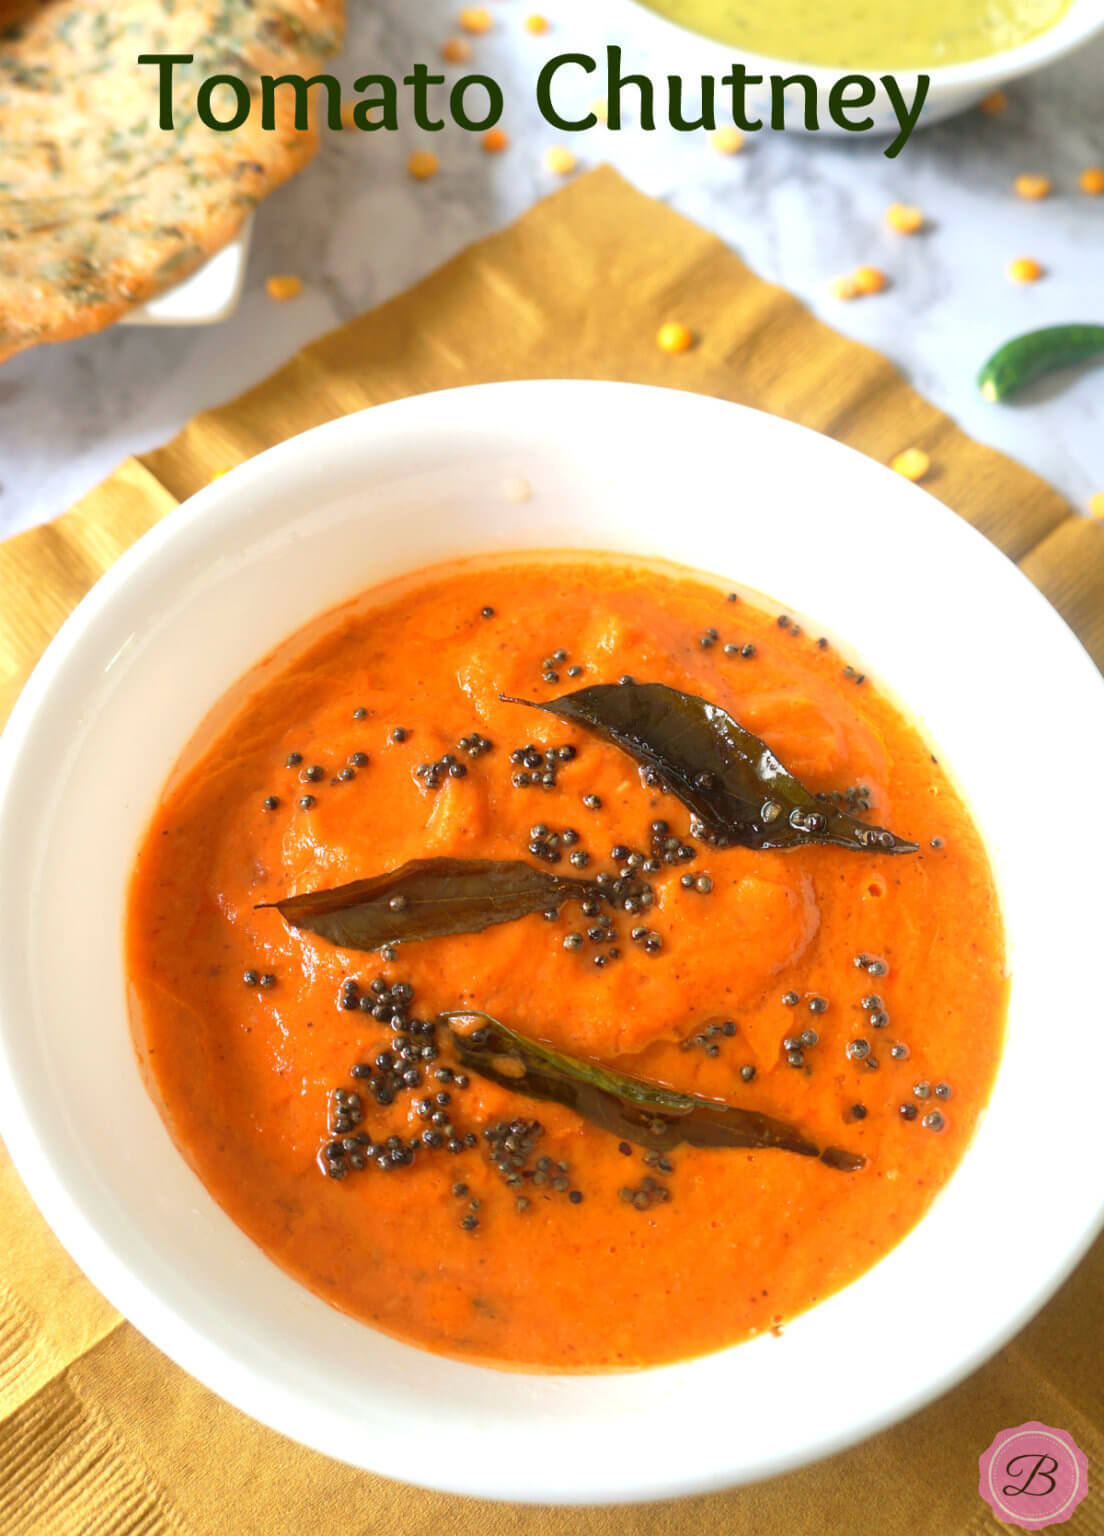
(742, 1240)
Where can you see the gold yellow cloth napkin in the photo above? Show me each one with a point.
(100, 1435)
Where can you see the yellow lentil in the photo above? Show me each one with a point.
(674, 337)
(727, 141)
(904, 218)
(476, 18)
(1025, 269)
(1032, 187)
(422, 165)
(560, 161)
(911, 463)
(868, 280)
(284, 286)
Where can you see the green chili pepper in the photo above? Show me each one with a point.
(1029, 356)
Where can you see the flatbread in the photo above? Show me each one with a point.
(99, 208)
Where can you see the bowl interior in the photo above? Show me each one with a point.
(1082, 20)
(1005, 693)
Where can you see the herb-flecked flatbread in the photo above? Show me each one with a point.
(100, 208)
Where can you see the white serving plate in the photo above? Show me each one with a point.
(210, 294)
(954, 87)
(942, 617)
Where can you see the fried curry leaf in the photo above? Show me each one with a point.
(729, 779)
(428, 898)
(653, 1117)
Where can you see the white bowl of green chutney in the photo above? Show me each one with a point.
(966, 48)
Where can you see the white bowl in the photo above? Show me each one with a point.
(1013, 702)
(208, 295)
(954, 87)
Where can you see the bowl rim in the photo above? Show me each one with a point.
(1076, 26)
(119, 1276)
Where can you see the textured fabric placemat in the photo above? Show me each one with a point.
(100, 1435)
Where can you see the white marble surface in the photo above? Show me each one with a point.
(799, 209)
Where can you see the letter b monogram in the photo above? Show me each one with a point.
(1033, 1476)
(1040, 1476)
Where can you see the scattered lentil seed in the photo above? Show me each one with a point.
(727, 141)
(283, 286)
(422, 165)
(904, 218)
(559, 160)
(911, 464)
(1024, 269)
(674, 337)
(869, 280)
(1033, 188)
